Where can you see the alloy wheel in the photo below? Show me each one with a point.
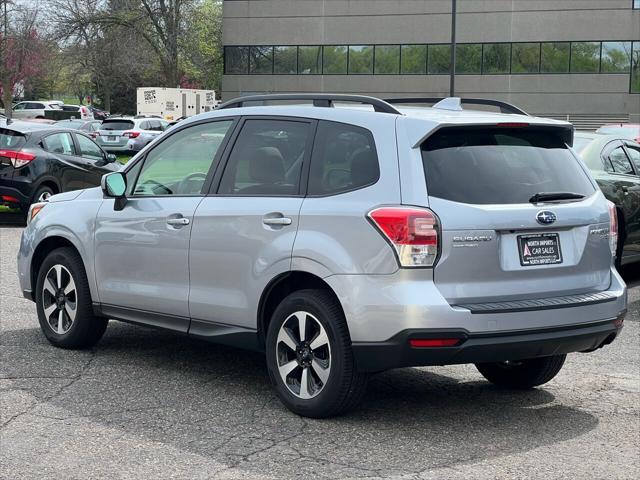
(59, 299)
(44, 196)
(303, 354)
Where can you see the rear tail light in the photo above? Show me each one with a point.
(94, 134)
(413, 233)
(131, 134)
(17, 159)
(9, 199)
(613, 228)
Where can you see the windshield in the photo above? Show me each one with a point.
(117, 125)
(495, 165)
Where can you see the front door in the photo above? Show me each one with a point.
(243, 234)
(142, 251)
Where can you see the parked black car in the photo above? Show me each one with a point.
(98, 114)
(37, 161)
(614, 162)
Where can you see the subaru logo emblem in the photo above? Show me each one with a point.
(545, 217)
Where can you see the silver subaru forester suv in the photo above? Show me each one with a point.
(341, 242)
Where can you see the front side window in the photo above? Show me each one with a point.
(61, 143)
(620, 162)
(266, 159)
(88, 149)
(179, 165)
(20, 106)
(344, 159)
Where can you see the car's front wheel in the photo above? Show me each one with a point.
(63, 302)
(309, 356)
(522, 374)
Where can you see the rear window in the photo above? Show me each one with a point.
(490, 165)
(11, 139)
(117, 125)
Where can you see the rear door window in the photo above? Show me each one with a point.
(61, 143)
(634, 153)
(494, 165)
(344, 159)
(267, 158)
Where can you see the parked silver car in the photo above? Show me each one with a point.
(341, 242)
(129, 134)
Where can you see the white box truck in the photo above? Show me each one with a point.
(174, 103)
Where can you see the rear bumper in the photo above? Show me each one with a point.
(480, 348)
(11, 191)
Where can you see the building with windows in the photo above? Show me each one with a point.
(553, 57)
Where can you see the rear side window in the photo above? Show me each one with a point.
(59, 143)
(11, 139)
(619, 162)
(267, 158)
(344, 159)
(117, 125)
(491, 165)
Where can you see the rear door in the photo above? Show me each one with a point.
(243, 234)
(629, 184)
(142, 251)
(498, 243)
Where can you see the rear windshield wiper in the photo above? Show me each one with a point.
(553, 196)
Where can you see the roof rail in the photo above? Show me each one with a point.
(504, 106)
(319, 100)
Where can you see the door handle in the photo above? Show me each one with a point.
(178, 222)
(277, 221)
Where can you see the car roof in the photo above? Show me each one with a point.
(23, 127)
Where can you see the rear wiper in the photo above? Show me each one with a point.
(552, 196)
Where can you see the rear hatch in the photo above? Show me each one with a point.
(10, 143)
(112, 130)
(499, 241)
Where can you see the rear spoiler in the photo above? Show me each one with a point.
(564, 130)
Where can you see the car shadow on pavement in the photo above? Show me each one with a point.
(217, 402)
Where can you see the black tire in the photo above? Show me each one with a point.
(522, 374)
(43, 189)
(345, 386)
(86, 329)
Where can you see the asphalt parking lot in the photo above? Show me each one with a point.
(150, 404)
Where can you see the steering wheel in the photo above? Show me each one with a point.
(156, 184)
(184, 187)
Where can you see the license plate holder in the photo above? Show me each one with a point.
(539, 249)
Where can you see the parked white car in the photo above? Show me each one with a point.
(34, 109)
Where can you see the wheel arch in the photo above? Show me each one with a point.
(281, 286)
(43, 249)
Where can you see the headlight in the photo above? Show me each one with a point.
(34, 210)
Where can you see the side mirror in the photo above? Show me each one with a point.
(111, 157)
(114, 185)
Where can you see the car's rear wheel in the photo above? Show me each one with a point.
(309, 356)
(42, 194)
(63, 302)
(522, 374)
